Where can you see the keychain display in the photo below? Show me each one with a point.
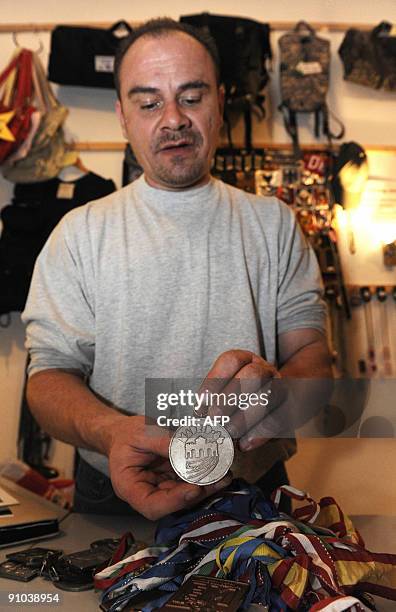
(368, 316)
(69, 572)
(377, 361)
(386, 342)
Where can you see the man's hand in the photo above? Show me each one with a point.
(141, 473)
(295, 393)
(246, 376)
(138, 453)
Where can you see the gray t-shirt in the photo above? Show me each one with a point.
(154, 283)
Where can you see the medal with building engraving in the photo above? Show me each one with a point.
(201, 454)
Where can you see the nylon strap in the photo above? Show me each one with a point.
(314, 559)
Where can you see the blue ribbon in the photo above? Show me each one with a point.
(241, 503)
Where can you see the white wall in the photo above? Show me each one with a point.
(369, 117)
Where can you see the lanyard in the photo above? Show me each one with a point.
(313, 558)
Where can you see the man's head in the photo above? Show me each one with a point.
(170, 103)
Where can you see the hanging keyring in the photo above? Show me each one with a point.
(16, 43)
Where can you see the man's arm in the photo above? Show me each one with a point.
(304, 353)
(138, 455)
(305, 385)
(67, 410)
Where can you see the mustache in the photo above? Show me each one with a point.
(188, 137)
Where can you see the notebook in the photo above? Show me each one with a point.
(32, 518)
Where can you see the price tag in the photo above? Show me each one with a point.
(65, 191)
(104, 63)
(307, 68)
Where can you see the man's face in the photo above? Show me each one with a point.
(170, 109)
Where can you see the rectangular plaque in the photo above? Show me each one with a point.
(205, 594)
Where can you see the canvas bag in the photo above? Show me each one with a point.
(49, 152)
(17, 85)
(369, 58)
(84, 56)
(304, 80)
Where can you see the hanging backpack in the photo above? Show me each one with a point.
(304, 81)
(244, 51)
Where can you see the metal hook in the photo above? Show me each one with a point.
(16, 43)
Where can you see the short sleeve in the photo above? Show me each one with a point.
(59, 314)
(300, 289)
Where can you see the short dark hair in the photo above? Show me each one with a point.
(160, 27)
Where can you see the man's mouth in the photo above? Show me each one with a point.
(179, 145)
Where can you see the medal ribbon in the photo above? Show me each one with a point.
(313, 558)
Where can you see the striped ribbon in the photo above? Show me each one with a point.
(312, 560)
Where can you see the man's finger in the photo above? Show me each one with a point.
(226, 366)
(273, 426)
(269, 399)
(229, 363)
(154, 502)
(155, 440)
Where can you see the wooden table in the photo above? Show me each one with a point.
(80, 530)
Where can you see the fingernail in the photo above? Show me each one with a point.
(191, 495)
(245, 445)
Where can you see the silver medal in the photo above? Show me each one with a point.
(201, 454)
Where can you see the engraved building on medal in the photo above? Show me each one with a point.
(202, 454)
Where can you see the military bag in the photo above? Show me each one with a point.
(304, 80)
(369, 58)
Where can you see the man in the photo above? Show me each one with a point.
(176, 275)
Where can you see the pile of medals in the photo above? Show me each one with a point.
(237, 549)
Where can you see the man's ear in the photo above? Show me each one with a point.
(121, 119)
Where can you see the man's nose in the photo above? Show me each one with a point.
(173, 117)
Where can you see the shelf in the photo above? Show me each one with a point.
(120, 146)
(275, 26)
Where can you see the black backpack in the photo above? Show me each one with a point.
(304, 81)
(244, 50)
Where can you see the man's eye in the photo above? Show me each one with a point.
(150, 105)
(191, 100)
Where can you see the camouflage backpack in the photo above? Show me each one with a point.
(369, 58)
(304, 80)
